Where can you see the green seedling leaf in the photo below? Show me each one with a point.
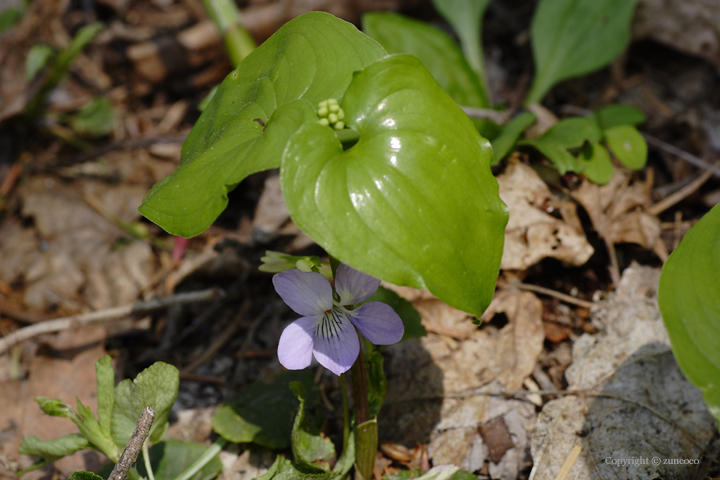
(466, 17)
(407, 199)
(48, 452)
(309, 59)
(54, 407)
(90, 428)
(628, 146)
(85, 476)
(170, 458)
(310, 449)
(263, 413)
(503, 143)
(689, 300)
(572, 38)
(437, 51)
(284, 469)
(376, 382)
(596, 163)
(9, 17)
(405, 310)
(155, 387)
(566, 134)
(105, 393)
(37, 59)
(614, 115)
(96, 118)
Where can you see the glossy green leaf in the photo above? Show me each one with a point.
(309, 59)
(628, 146)
(96, 118)
(170, 458)
(437, 51)
(689, 300)
(596, 163)
(405, 310)
(503, 143)
(263, 413)
(37, 59)
(49, 451)
(614, 115)
(105, 393)
(310, 448)
(155, 387)
(575, 37)
(466, 17)
(85, 476)
(413, 202)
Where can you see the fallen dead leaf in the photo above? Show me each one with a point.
(532, 233)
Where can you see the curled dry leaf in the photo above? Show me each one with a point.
(533, 234)
(617, 211)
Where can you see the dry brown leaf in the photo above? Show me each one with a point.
(531, 233)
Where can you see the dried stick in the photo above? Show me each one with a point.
(688, 157)
(65, 323)
(683, 193)
(569, 462)
(552, 293)
(133, 447)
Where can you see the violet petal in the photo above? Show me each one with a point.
(296, 343)
(378, 322)
(353, 286)
(336, 343)
(307, 293)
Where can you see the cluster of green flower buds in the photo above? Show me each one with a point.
(276, 262)
(331, 114)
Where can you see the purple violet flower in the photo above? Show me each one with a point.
(327, 328)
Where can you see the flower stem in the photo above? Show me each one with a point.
(360, 396)
(146, 459)
(346, 411)
(203, 460)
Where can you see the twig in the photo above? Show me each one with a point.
(569, 462)
(487, 114)
(565, 298)
(683, 193)
(688, 157)
(137, 308)
(614, 265)
(132, 449)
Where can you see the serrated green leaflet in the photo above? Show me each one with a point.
(284, 469)
(85, 476)
(466, 17)
(54, 407)
(595, 160)
(628, 146)
(49, 451)
(310, 450)
(263, 413)
(105, 393)
(572, 38)
(689, 300)
(437, 51)
(310, 58)
(413, 202)
(155, 387)
(503, 143)
(614, 115)
(171, 458)
(407, 313)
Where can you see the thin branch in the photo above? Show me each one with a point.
(137, 308)
(132, 449)
(565, 298)
(487, 114)
(688, 157)
(683, 193)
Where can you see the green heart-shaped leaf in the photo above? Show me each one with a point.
(312, 58)
(575, 37)
(413, 202)
(628, 145)
(689, 300)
